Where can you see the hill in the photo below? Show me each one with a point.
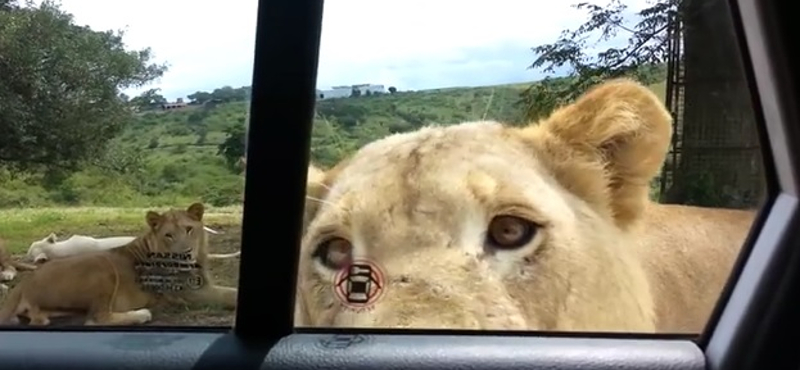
(173, 157)
(343, 125)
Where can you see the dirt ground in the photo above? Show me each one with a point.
(224, 272)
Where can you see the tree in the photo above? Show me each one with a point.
(646, 46)
(60, 87)
(392, 89)
(229, 94)
(148, 99)
(122, 160)
(714, 86)
(8, 5)
(223, 95)
(233, 147)
(199, 97)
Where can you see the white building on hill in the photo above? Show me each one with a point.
(344, 91)
(371, 88)
(335, 92)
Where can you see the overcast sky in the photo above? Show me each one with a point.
(410, 44)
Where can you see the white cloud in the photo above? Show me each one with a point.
(411, 44)
(397, 42)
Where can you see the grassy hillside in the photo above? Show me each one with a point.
(343, 125)
(168, 158)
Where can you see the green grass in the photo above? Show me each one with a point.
(20, 227)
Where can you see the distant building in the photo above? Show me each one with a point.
(372, 88)
(335, 92)
(345, 91)
(179, 103)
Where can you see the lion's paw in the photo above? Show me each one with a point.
(7, 275)
(142, 315)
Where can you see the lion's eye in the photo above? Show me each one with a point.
(168, 236)
(510, 232)
(335, 253)
(189, 229)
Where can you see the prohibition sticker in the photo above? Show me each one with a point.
(195, 281)
(169, 272)
(359, 285)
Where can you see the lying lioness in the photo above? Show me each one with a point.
(119, 286)
(544, 227)
(50, 247)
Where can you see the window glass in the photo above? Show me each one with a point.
(527, 165)
(111, 110)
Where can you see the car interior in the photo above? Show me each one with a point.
(753, 326)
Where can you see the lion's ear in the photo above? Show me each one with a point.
(152, 218)
(619, 132)
(195, 211)
(51, 238)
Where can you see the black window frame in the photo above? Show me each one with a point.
(757, 313)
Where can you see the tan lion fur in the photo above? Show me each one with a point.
(103, 284)
(603, 258)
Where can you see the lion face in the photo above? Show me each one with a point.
(178, 231)
(36, 251)
(482, 226)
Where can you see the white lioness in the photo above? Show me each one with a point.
(50, 247)
(544, 227)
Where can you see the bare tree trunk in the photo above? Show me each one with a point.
(720, 159)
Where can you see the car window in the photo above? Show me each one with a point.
(537, 166)
(110, 112)
(518, 165)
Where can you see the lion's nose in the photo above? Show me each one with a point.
(419, 304)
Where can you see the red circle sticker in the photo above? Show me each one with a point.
(359, 285)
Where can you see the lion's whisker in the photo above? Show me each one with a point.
(322, 184)
(321, 201)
